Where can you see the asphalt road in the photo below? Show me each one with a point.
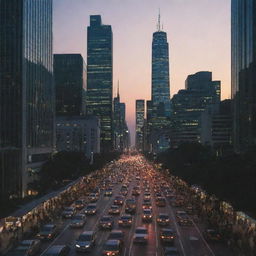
(189, 239)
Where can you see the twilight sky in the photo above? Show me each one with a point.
(198, 34)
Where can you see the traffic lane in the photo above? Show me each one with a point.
(150, 248)
(68, 235)
(219, 248)
(103, 235)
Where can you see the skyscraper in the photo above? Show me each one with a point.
(26, 93)
(158, 124)
(160, 94)
(120, 129)
(70, 84)
(188, 105)
(100, 76)
(140, 113)
(243, 72)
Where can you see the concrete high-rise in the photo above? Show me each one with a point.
(70, 84)
(140, 113)
(100, 77)
(243, 72)
(26, 93)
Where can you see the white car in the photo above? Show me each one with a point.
(141, 235)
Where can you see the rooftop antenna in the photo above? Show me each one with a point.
(159, 22)
(118, 89)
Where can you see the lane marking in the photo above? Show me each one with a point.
(199, 232)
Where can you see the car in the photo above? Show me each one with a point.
(189, 210)
(147, 195)
(79, 204)
(28, 247)
(48, 232)
(116, 235)
(124, 192)
(212, 235)
(183, 218)
(86, 241)
(130, 206)
(167, 236)
(140, 235)
(68, 212)
(125, 220)
(114, 209)
(58, 250)
(93, 198)
(78, 221)
(119, 200)
(112, 247)
(160, 201)
(108, 192)
(147, 204)
(147, 215)
(170, 251)
(106, 222)
(163, 219)
(90, 209)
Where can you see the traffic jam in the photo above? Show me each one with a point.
(133, 210)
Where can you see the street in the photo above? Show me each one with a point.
(141, 180)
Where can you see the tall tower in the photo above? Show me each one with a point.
(100, 77)
(140, 113)
(243, 70)
(160, 94)
(26, 93)
(70, 84)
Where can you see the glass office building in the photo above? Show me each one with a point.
(160, 74)
(243, 72)
(100, 77)
(26, 92)
(140, 115)
(70, 84)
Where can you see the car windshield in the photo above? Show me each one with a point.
(115, 236)
(47, 228)
(125, 218)
(91, 207)
(79, 202)
(106, 219)
(79, 217)
(110, 247)
(85, 238)
(164, 216)
(167, 233)
(141, 231)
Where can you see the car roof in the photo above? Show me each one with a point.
(49, 225)
(141, 228)
(88, 232)
(163, 214)
(92, 204)
(171, 249)
(114, 231)
(167, 230)
(113, 242)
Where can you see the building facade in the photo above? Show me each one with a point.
(140, 113)
(77, 133)
(243, 72)
(121, 134)
(201, 93)
(27, 131)
(100, 77)
(70, 84)
(158, 137)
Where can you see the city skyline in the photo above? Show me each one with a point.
(198, 32)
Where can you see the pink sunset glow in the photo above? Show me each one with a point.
(198, 35)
